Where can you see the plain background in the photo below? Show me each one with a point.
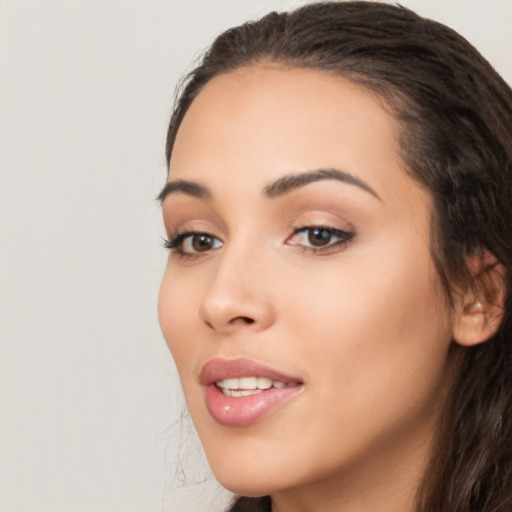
(89, 400)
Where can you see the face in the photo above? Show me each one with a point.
(300, 301)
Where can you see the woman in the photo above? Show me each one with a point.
(336, 296)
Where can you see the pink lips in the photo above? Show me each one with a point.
(244, 410)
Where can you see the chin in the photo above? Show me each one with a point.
(249, 472)
(249, 484)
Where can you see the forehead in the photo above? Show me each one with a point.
(254, 124)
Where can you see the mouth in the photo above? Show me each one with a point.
(241, 392)
(246, 386)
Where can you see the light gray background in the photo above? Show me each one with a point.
(88, 392)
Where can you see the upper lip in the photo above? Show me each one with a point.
(220, 369)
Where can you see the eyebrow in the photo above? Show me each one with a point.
(189, 188)
(278, 188)
(291, 182)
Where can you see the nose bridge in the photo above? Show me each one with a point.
(237, 294)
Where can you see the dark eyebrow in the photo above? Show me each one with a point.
(293, 181)
(276, 189)
(190, 188)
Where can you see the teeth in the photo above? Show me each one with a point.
(245, 384)
(264, 383)
(230, 383)
(248, 383)
(240, 392)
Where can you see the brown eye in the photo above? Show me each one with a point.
(190, 244)
(201, 242)
(196, 243)
(319, 237)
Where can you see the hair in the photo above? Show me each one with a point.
(455, 114)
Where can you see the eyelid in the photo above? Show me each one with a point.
(174, 242)
(343, 238)
(339, 233)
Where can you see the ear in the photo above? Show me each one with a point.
(479, 308)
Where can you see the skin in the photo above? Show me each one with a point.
(365, 325)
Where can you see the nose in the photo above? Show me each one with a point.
(237, 297)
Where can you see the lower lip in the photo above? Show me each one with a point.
(242, 411)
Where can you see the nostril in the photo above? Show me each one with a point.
(244, 319)
(236, 321)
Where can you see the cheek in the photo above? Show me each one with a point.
(374, 293)
(375, 327)
(176, 301)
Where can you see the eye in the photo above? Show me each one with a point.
(318, 238)
(192, 243)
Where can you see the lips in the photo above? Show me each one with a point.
(241, 392)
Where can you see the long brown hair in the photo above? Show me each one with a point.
(456, 139)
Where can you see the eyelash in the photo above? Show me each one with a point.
(344, 237)
(175, 241)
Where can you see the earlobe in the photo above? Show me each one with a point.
(480, 306)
